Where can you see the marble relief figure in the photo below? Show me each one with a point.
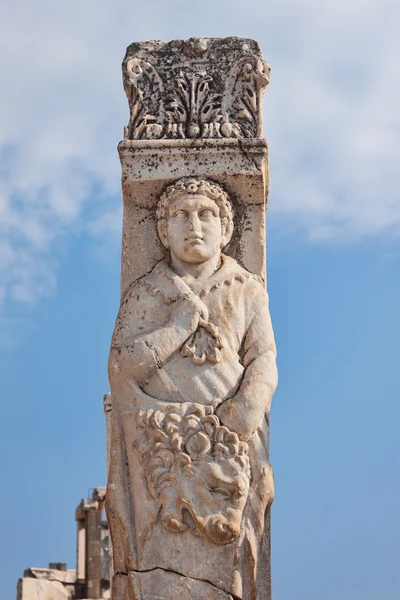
(192, 370)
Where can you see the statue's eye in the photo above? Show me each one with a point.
(180, 214)
(206, 214)
(221, 491)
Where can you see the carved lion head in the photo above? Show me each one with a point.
(197, 469)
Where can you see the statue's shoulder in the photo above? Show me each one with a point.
(157, 284)
(240, 274)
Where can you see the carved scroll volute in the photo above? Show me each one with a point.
(144, 89)
(210, 95)
(246, 94)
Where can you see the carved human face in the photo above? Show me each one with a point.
(193, 231)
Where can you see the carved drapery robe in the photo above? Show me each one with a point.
(197, 522)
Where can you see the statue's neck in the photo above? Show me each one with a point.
(189, 271)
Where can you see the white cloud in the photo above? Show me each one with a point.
(331, 117)
(335, 124)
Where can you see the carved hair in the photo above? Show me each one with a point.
(199, 186)
(171, 442)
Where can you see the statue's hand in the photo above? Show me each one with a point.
(187, 312)
(238, 417)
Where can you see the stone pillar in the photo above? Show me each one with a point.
(192, 360)
(89, 555)
(107, 406)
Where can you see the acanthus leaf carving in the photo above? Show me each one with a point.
(244, 87)
(193, 108)
(182, 99)
(143, 87)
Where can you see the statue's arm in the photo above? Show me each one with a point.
(245, 411)
(140, 353)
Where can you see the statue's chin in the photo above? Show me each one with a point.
(196, 256)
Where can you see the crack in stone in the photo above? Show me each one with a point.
(185, 576)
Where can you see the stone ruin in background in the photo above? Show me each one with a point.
(91, 578)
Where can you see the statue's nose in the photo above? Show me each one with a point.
(222, 531)
(194, 222)
(230, 531)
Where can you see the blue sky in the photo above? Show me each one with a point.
(331, 117)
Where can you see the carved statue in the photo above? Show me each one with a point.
(192, 371)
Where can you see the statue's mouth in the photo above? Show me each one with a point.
(194, 238)
(215, 527)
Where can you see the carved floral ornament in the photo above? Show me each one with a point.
(188, 106)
